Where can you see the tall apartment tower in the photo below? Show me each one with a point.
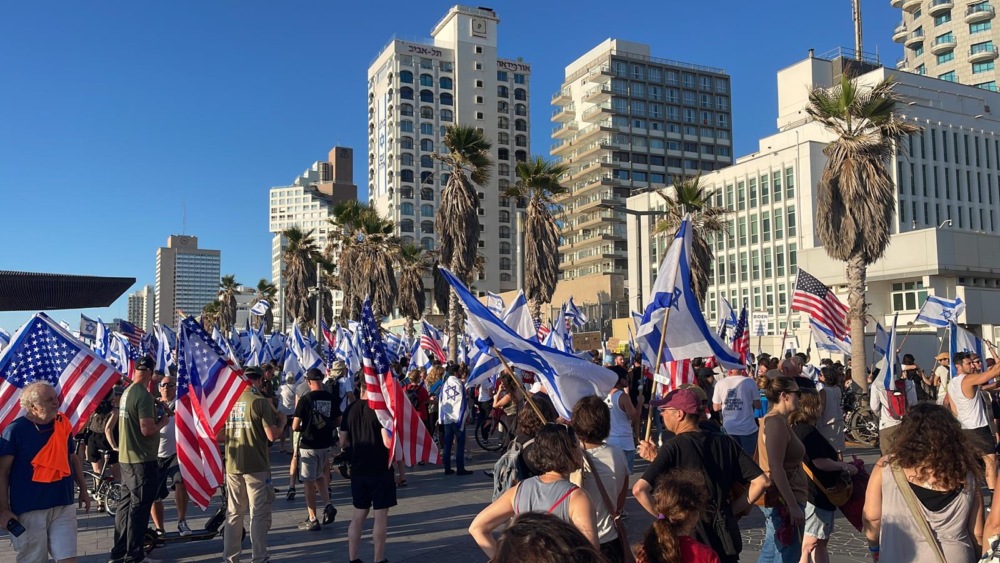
(187, 278)
(142, 308)
(416, 90)
(953, 41)
(307, 203)
(626, 122)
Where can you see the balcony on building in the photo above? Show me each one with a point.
(911, 5)
(596, 113)
(896, 3)
(979, 13)
(938, 7)
(600, 75)
(914, 39)
(561, 97)
(944, 44)
(559, 147)
(600, 127)
(597, 94)
(563, 114)
(899, 35)
(564, 130)
(982, 54)
(902, 65)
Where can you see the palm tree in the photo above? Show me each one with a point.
(414, 265)
(855, 196)
(268, 292)
(299, 260)
(228, 288)
(706, 219)
(469, 161)
(538, 182)
(368, 251)
(210, 315)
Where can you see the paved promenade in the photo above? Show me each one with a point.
(428, 525)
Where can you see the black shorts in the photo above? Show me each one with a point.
(982, 439)
(167, 469)
(373, 491)
(100, 442)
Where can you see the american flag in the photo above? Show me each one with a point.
(430, 340)
(388, 399)
(678, 373)
(331, 343)
(814, 298)
(43, 351)
(542, 330)
(741, 336)
(132, 333)
(208, 385)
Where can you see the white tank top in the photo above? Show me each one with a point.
(971, 413)
(621, 426)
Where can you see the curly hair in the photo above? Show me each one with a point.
(556, 449)
(543, 538)
(528, 423)
(433, 375)
(680, 497)
(931, 442)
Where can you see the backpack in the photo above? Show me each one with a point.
(412, 394)
(505, 469)
(897, 400)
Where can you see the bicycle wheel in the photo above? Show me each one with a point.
(491, 435)
(112, 495)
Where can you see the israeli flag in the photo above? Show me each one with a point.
(727, 317)
(217, 337)
(419, 357)
(345, 351)
(256, 350)
(518, 318)
(88, 327)
(688, 335)
(494, 303)
(891, 367)
(938, 311)
(4, 338)
(575, 314)
(305, 354)
(881, 340)
(825, 340)
(566, 377)
(260, 308)
(559, 338)
(102, 340)
(276, 343)
(962, 340)
(291, 365)
(163, 355)
(393, 344)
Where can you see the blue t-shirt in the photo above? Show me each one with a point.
(23, 441)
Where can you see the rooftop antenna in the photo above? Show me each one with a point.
(856, 12)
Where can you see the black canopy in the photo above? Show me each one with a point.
(28, 291)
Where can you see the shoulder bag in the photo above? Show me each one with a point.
(911, 502)
(627, 555)
(840, 493)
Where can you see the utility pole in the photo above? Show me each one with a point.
(319, 308)
(856, 9)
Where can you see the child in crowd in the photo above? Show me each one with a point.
(679, 496)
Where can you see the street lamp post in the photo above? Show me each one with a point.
(638, 231)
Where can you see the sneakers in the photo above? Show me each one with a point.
(309, 525)
(290, 495)
(160, 532)
(463, 472)
(329, 513)
(183, 528)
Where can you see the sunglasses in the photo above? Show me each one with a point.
(168, 385)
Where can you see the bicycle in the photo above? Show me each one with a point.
(106, 489)
(493, 432)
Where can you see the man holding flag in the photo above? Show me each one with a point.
(970, 409)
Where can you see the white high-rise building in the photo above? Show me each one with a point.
(142, 307)
(308, 204)
(945, 236)
(187, 278)
(415, 90)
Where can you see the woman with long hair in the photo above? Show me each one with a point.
(556, 455)
(781, 454)
(542, 538)
(679, 498)
(933, 465)
(824, 463)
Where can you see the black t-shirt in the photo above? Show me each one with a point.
(316, 412)
(818, 447)
(369, 456)
(723, 463)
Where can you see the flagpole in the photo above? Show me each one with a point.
(788, 318)
(656, 367)
(909, 327)
(519, 384)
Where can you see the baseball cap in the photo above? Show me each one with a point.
(145, 363)
(684, 400)
(702, 396)
(338, 368)
(314, 374)
(253, 372)
(942, 356)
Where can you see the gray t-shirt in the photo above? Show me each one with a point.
(613, 469)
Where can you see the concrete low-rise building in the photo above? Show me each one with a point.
(945, 236)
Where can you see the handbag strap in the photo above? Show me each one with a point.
(911, 502)
(600, 485)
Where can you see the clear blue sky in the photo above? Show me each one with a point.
(114, 116)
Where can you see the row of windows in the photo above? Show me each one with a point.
(426, 96)
(445, 82)
(736, 229)
(755, 265)
(427, 228)
(656, 74)
(518, 77)
(656, 125)
(672, 95)
(929, 177)
(766, 186)
(962, 217)
(918, 147)
(672, 113)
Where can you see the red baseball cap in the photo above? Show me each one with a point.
(683, 400)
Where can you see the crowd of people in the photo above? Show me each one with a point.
(772, 436)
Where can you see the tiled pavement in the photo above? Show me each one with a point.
(428, 525)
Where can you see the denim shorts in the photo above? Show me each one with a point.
(819, 522)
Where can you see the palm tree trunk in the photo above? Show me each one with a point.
(535, 308)
(454, 326)
(857, 308)
(410, 331)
